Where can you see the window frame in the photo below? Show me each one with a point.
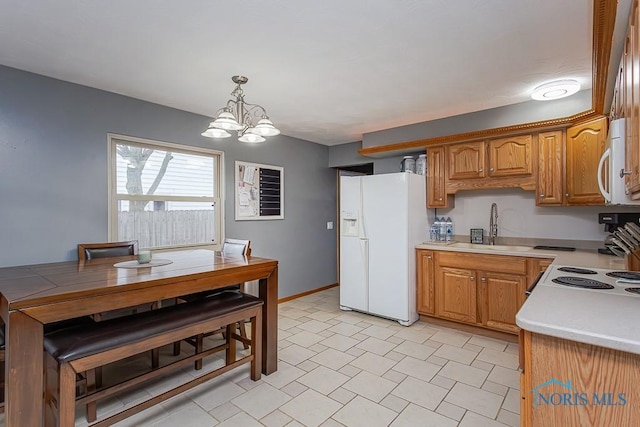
(218, 199)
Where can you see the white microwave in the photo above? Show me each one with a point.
(611, 172)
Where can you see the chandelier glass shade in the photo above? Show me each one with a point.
(240, 116)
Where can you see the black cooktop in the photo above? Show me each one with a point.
(631, 275)
(577, 270)
(581, 282)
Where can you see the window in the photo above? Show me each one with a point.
(164, 195)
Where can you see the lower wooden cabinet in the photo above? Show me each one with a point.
(501, 297)
(456, 294)
(425, 297)
(599, 385)
(479, 289)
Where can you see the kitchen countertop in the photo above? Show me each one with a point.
(580, 258)
(582, 315)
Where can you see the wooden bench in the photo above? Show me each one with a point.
(81, 380)
(83, 348)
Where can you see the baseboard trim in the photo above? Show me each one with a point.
(470, 329)
(303, 294)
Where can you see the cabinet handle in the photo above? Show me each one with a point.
(429, 257)
(472, 278)
(480, 170)
(490, 169)
(566, 195)
(542, 196)
(484, 279)
(440, 199)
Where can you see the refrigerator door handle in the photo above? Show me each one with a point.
(362, 230)
(364, 252)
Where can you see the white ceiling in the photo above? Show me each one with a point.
(325, 70)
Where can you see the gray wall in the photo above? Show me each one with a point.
(53, 177)
(347, 155)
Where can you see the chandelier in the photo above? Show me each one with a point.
(239, 116)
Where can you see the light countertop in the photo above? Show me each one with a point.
(579, 258)
(598, 318)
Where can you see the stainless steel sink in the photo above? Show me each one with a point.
(503, 248)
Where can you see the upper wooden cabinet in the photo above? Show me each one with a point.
(560, 165)
(467, 160)
(626, 101)
(550, 185)
(436, 175)
(628, 90)
(584, 147)
(511, 156)
(502, 157)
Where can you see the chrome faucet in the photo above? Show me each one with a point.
(493, 224)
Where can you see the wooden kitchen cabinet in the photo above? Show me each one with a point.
(584, 146)
(592, 370)
(456, 294)
(425, 282)
(631, 101)
(475, 288)
(501, 157)
(511, 156)
(436, 175)
(480, 289)
(467, 160)
(550, 183)
(626, 102)
(501, 297)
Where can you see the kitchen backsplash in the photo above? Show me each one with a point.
(518, 216)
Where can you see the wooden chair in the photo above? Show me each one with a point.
(230, 247)
(87, 251)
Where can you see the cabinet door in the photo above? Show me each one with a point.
(425, 273)
(585, 145)
(436, 197)
(501, 294)
(511, 156)
(456, 294)
(550, 177)
(632, 57)
(467, 160)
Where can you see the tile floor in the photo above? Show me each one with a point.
(341, 368)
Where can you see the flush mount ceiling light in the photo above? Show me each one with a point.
(239, 116)
(555, 90)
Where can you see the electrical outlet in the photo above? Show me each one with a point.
(329, 225)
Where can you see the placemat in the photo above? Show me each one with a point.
(156, 262)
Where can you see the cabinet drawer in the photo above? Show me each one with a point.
(498, 263)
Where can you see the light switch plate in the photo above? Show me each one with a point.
(329, 225)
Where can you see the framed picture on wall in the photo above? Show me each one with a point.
(259, 191)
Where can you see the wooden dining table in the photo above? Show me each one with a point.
(35, 295)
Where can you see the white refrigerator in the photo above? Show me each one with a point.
(382, 219)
